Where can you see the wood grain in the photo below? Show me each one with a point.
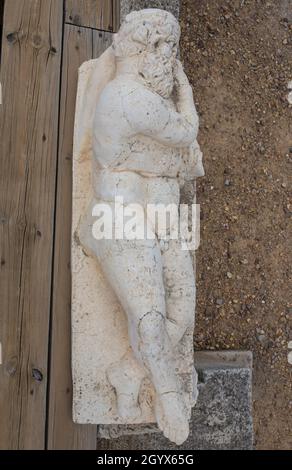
(80, 44)
(116, 14)
(1, 23)
(97, 14)
(30, 75)
(101, 41)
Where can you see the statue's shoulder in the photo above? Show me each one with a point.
(127, 88)
(123, 96)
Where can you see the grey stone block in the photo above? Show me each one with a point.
(221, 419)
(130, 5)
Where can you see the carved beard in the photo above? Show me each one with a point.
(158, 73)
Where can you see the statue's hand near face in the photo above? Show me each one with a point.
(192, 158)
(181, 80)
(185, 102)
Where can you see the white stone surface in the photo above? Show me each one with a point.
(133, 301)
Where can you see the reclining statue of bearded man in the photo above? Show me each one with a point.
(144, 143)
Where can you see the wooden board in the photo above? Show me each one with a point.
(1, 23)
(116, 14)
(80, 44)
(30, 75)
(97, 14)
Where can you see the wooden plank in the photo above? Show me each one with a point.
(116, 14)
(80, 44)
(30, 75)
(97, 14)
(101, 41)
(1, 28)
(1, 21)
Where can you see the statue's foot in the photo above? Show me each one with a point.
(126, 377)
(172, 416)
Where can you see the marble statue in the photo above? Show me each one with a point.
(137, 124)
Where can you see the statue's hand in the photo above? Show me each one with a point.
(180, 77)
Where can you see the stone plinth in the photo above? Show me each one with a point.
(222, 418)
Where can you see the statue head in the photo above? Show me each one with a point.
(152, 36)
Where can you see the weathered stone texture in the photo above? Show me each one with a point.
(222, 417)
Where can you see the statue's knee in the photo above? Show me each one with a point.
(151, 328)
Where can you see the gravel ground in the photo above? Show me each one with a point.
(238, 57)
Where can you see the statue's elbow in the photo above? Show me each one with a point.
(190, 136)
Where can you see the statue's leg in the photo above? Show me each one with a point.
(134, 270)
(180, 295)
(180, 290)
(126, 376)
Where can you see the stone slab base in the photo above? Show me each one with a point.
(221, 419)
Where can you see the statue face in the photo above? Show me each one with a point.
(152, 36)
(157, 66)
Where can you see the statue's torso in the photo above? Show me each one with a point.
(140, 154)
(135, 188)
(133, 166)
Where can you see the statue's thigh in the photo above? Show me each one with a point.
(134, 270)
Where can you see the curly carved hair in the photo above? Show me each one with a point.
(143, 29)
